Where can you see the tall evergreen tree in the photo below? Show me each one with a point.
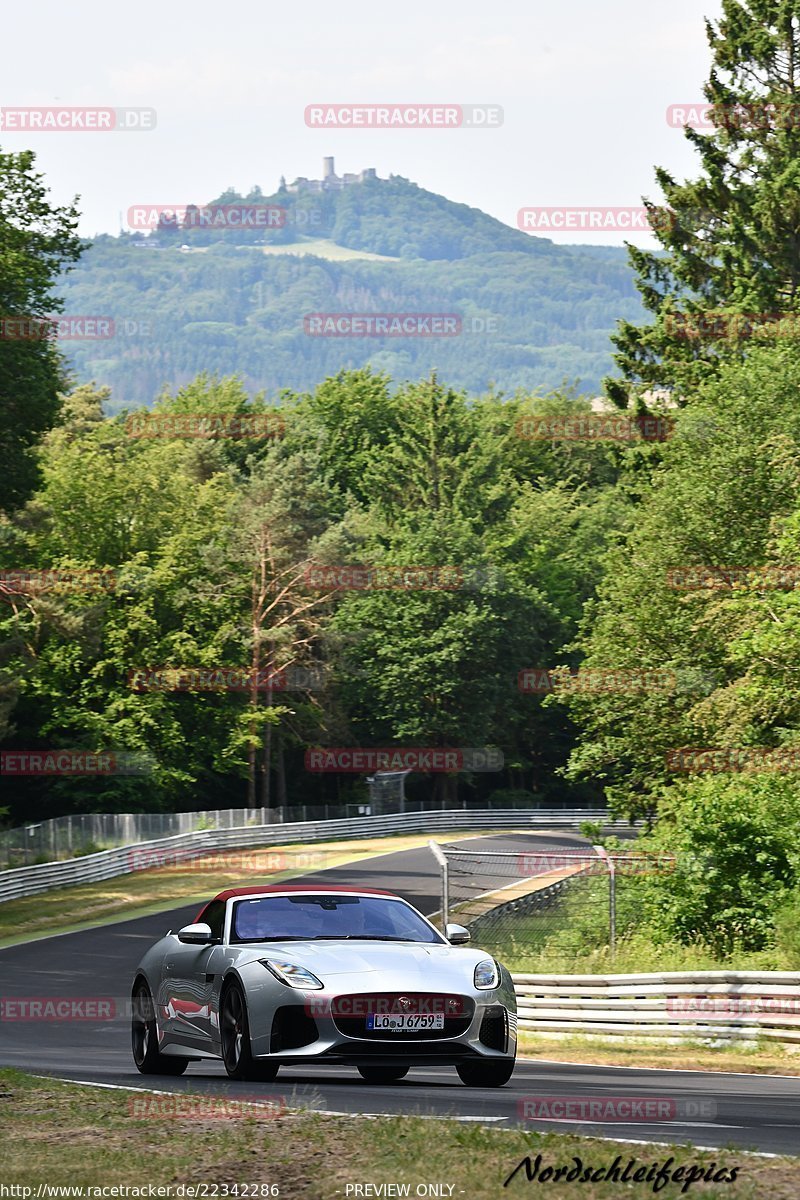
(731, 238)
(36, 242)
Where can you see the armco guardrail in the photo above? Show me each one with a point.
(77, 834)
(538, 895)
(721, 1005)
(107, 864)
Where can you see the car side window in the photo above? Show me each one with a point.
(214, 916)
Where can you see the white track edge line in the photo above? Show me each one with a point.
(119, 1087)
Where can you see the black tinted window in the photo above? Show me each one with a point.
(308, 917)
(214, 916)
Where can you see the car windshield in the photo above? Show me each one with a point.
(317, 917)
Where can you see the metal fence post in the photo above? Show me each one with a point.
(612, 899)
(612, 907)
(442, 861)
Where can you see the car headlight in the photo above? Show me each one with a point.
(292, 975)
(487, 974)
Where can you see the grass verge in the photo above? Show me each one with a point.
(758, 1058)
(62, 1134)
(326, 248)
(571, 936)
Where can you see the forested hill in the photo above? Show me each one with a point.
(391, 217)
(188, 299)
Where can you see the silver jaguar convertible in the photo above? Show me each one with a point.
(270, 976)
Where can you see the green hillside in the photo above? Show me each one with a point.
(532, 313)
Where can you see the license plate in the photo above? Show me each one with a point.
(405, 1022)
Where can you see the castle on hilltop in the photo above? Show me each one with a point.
(330, 182)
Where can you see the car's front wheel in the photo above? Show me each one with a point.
(144, 1038)
(487, 1073)
(382, 1074)
(237, 1053)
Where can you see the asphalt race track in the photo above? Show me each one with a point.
(713, 1110)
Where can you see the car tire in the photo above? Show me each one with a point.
(144, 1038)
(382, 1074)
(234, 1030)
(486, 1074)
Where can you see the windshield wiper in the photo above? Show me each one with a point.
(284, 937)
(359, 937)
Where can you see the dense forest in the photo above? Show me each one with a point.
(362, 475)
(186, 299)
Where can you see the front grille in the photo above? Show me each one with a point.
(494, 1028)
(355, 1026)
(292, 1027)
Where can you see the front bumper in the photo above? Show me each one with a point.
(300, 1030)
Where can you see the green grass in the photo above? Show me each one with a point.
(63, 1134)
(317, 247)
(325, 248)
(634, 953)
(759, 1057)
(572, 937)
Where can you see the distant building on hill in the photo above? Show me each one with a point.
(330, 182)
(660, 396)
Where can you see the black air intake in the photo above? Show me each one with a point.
(494, 1029)
(292, 1027)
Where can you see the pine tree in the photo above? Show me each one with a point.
(731, 238)
(37, 242)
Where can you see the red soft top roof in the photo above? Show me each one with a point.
(266, 888)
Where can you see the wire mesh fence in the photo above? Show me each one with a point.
(545, 910)
(86, 833)
(388, 787)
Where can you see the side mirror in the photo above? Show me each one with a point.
(457, 935)
(196, 935)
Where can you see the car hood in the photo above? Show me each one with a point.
(416, 962)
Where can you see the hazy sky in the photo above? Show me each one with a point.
(584, 85)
